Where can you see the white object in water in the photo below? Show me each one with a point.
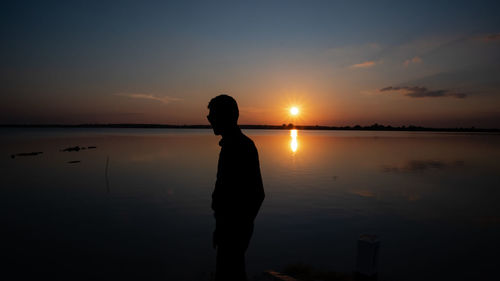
(367, 257)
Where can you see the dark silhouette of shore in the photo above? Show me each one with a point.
(374, 127)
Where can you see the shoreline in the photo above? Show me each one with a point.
(374, 127)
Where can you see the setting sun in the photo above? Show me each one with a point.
(294, 110)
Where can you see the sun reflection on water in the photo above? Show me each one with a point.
(293, 142)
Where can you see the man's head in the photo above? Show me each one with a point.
(223, 114)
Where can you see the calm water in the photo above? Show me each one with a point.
(432, 198)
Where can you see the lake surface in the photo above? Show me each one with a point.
(138, 205)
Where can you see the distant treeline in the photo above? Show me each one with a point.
(374, 127)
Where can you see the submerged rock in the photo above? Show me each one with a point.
(73, 148)
(78, 148)
(26, 154)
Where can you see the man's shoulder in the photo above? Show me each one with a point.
(242, 144)
(247, 142)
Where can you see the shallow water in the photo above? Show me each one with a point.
(138, 205)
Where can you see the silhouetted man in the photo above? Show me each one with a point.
(238, 192)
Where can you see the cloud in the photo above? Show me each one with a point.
(163, 99)
(423, 92)
(413, 60)
(416, 60)
(492, 37)
(365, 64)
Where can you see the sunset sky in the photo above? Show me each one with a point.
(426, 63)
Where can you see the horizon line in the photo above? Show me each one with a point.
(375, 126)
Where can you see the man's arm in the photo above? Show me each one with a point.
(255, 187)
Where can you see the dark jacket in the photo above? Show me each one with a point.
(239, 191)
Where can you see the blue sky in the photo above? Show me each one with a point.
(160, 61)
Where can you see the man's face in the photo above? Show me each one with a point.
(213, 122)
